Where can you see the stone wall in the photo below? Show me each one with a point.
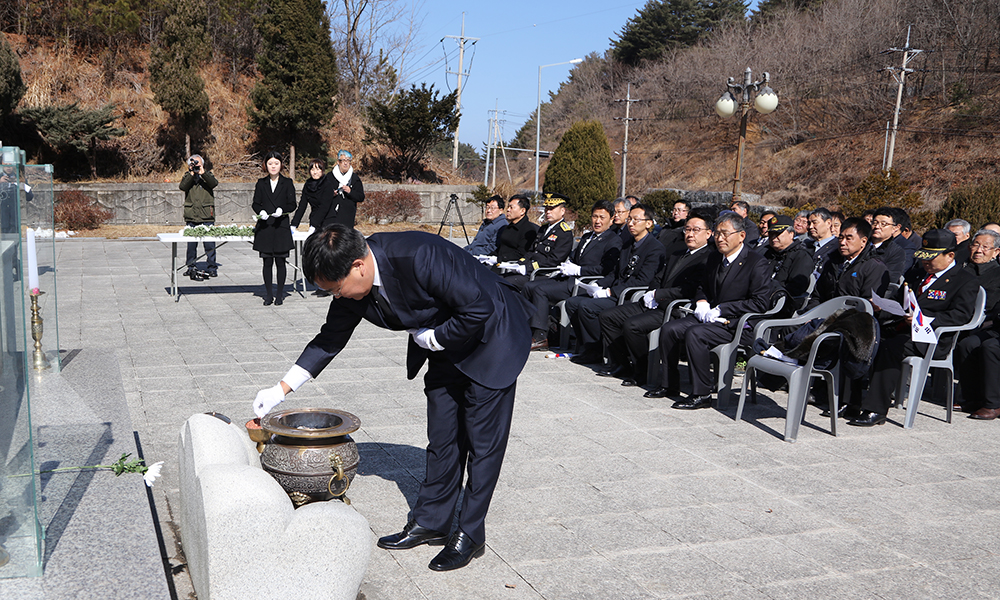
(163, 203)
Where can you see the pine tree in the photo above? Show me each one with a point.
(666, 24)
(11, 85)
(581, 167)
(880, 188)
(71, 127)
(299, 83)
(412, 123)
(173, 66)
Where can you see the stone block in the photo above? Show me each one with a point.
(242, 536)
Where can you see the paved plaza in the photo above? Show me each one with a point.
(604, 494)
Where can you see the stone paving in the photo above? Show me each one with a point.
(604, 494)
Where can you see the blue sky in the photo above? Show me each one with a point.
(516, 37)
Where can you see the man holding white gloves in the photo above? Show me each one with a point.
(736, 281)
(468, 324)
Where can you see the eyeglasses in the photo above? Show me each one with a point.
(724, 234)
(977, 246)
(636, 220)
(883, 224)
(694, 229)
(679, 210)
(621, 212)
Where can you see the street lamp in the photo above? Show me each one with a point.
(738, 97)
(538, 114)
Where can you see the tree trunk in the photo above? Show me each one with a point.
(291, 161)
(187, 145)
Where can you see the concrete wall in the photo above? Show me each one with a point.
(163, 203)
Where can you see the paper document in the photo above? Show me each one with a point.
(776, 354)
(890, 306)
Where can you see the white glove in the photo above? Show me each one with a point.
(520, 269)
(277, 213)
(424, 338)
(701, 310)
(312, 230)
(268, 399)
(506, 266)
(262, 215)
(714, 315)
(487, 259)
(601, 293)
(294, 229)
(569, 269)
(649, 300)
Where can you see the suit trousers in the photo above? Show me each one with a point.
(192, 250)
(467, 426)
(699, 339)
(625, 330)
(543, 294)
(584, 313)
(977, 364)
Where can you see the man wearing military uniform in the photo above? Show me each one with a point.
(551, 247)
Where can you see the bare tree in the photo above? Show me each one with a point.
(375, 41)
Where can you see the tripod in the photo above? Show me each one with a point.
(453, 201)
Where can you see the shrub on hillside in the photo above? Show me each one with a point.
(390, 207)
(978, 204)
(878, 189)
(75, 210)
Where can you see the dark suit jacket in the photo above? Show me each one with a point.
(951, 299)
(640, 265)
(865, 274)
(551, 247)
(600, 255)
(273, 235)
(823, 253)
(478, 317)
(745, 288)
(683, 274)
(893, 257)
(514, 240)
(989, 279)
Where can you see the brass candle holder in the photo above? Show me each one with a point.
(39, 362)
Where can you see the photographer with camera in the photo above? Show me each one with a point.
(199, 209)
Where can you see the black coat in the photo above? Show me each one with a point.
(745, 287)
(552, 246)
(317, 194)
(514, 240)
(682, 275)
(346, 205)
(273, 235)
(640, 265)
(989, 278)
(893, 256)
(598, 256)
(791, 269)
(865, 274)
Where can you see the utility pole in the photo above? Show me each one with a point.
(628, 103)
(489, 147)
(458, 105)
(908, 55)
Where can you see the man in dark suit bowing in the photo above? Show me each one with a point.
(625, 329)
(736, 281)
(596, 254)
(468, 324)
(947, 293)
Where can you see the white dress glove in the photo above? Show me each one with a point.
(569, 269)
(602, 293)
(277, 213)
(506, 266)
(262, 215)
(487, 259)
(268, 399)
(424, 338)
(701, 310)
(520, 269)
(648, 300)
(714, 315)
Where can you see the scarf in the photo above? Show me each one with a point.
(312, 186)
(344, 179)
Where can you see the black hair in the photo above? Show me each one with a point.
(498, 199)
(317, 161)
(902, 219)
(704, 215)
(887, 211)
(686, 203)
(822, 213)
(330, 253)
(859, 224)
(269, 156)
(741, 203)
(607, 205)
(647, 211)
(521, 200)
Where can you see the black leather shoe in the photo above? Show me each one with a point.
(268, 301)
(694, 403)
(613, 371)
(587, 359)
(633, 381)
(660, 392)
(412, 536)
(867, 419)
(844, 411)
(459, 552)
(278, 301)
(213, 273)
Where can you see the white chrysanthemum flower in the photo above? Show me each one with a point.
(152, 473)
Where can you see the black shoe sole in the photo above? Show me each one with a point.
(431, 542)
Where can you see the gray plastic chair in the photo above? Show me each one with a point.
(915, 368)
(727, 354)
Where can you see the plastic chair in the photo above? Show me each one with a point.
(915, 368)
(564, 322)
(653, 358)
(800, 377)
(727, 353)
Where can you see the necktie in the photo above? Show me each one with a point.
(927, 280)
(723, 269)
(384, 309)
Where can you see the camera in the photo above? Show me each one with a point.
(193, 164)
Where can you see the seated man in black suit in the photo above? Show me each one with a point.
(977, 355)
(821, 231)
(947, 293)
(736, 281)
(514, 238)
(961, 228)
(596, 254)
(853, 270)
(884, 228)
(624, 329)
(742, 208)
(551, 247)
(640, 265)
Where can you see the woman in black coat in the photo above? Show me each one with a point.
(317, 193)
(349, 192)
(273, 202)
